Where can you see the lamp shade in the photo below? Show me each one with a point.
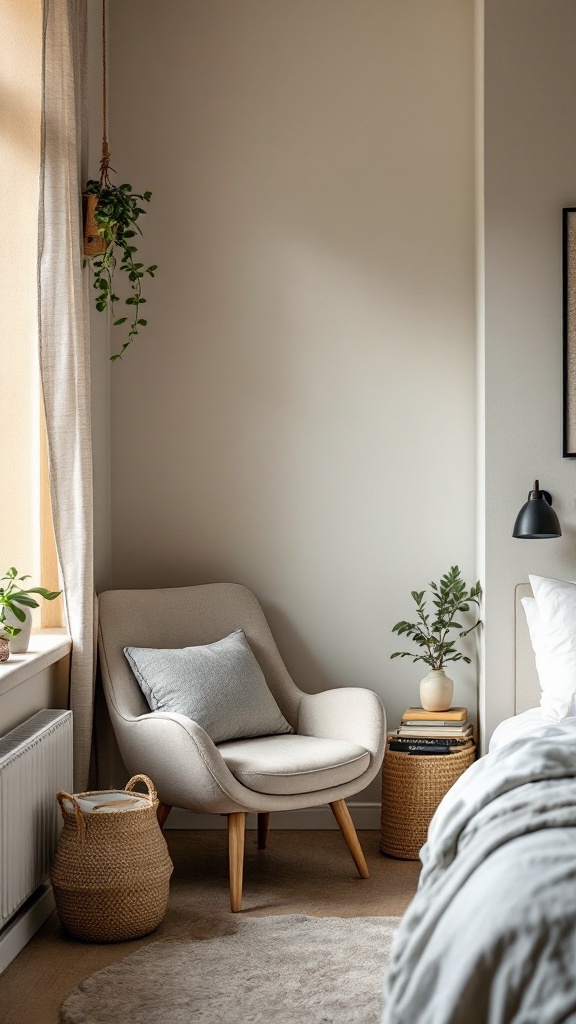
(537, 519)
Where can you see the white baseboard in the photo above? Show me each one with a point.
(25, 924)
(364, 816)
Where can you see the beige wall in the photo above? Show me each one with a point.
(100, 363)
(530, 174)
(299, 414)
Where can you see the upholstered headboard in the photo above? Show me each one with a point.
(527, 687)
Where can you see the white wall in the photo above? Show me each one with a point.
(299, 414)
(530, 174)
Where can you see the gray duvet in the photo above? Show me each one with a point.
(490, 937)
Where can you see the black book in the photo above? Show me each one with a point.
(419, 748)
(422, 741)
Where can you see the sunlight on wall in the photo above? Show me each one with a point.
(20, 95)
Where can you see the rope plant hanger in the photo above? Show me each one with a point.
(111, 215)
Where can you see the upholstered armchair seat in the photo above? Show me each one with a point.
(283, 765)
(335, 751)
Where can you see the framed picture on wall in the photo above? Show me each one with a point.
(569, 331)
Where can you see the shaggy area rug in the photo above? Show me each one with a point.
(266, 970)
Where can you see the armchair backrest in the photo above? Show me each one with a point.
(183, 617)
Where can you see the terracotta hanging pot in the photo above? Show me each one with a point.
(94, 243)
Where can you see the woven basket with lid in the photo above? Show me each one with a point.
(111, 872)
(412, 787)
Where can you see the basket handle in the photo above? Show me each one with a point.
(147, 782)
(61, 796)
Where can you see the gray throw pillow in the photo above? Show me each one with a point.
(220, 686)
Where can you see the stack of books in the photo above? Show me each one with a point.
(432, 732)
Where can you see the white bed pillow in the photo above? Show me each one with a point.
(552, 706)
(552, 625)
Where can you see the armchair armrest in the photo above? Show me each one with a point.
(181, 759)
(349, 713)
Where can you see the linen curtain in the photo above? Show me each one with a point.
(64, 343)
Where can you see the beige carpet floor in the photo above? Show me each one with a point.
(300, 873)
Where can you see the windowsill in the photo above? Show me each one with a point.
(47, 646)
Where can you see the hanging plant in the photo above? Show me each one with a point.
(111, 214)
(115, 214)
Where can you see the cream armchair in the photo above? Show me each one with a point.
(335, 751)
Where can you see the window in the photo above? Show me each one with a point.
(26, 533)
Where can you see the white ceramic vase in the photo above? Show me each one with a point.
(19, 644)
(436, 691)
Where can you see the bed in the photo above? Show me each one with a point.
(526, 683)
(490, 937)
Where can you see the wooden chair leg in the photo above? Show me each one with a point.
(236, 826)
(342, 815)
(263, 823)
(162, 813)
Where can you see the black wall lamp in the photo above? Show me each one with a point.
(537, 519)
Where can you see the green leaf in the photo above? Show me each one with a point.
(48, 595)
(28, 602)
(20, 615)
(142, 322)
(122, 320)
(9, 632)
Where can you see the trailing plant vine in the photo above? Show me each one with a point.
(116, 215)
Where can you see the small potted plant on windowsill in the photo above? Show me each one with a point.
(16, 604)
(451, 598)
(7, 634)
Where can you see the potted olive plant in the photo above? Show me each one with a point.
(16, 603)
(451, 599)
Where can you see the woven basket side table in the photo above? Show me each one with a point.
(412, 787)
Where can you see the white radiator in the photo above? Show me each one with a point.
(35, 762)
